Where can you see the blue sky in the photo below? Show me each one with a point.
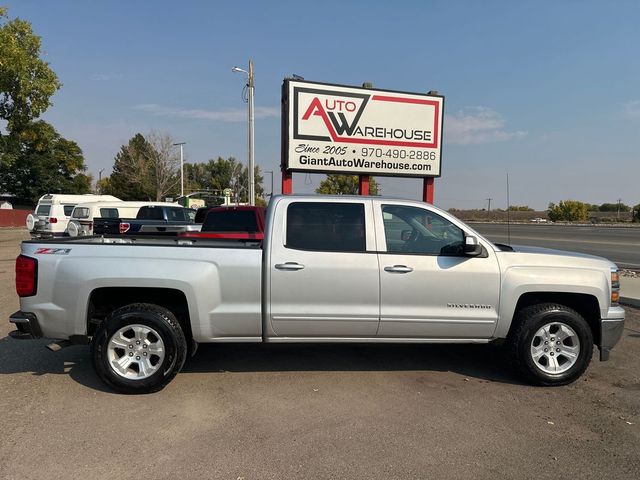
(547, 91)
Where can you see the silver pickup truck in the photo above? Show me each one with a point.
(331, 269)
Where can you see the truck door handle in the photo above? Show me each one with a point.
(289, 266)
(398, 269)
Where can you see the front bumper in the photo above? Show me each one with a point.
(610, 332)
(27, 326)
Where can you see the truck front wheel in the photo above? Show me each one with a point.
(138, 348)
(550, 344)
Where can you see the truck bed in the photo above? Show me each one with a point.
(219, 280)
(151, 240)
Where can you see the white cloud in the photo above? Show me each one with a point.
(105, 77)
(474, 125)
(230, 115)
(632, 108)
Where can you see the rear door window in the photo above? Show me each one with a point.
(231, 221)
(109, 213)
(81, 212)
(43, 210)
(68, 209)
(325, 226)
(176, 215)
(150, 213)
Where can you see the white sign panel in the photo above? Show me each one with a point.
(339, 129)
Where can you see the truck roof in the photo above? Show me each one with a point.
(356, 198)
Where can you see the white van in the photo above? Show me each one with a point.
(81, 222)
(53, 212)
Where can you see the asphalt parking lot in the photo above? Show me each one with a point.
(350, 411)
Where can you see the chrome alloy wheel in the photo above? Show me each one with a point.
(135, 352)
(555, 348)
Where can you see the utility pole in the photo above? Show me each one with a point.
(618, 214)
(271, 173)
(99, 180)
(181, 144)
(489, 207)
(252, 179)
(251, 167)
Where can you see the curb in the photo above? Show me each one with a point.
(634, 302)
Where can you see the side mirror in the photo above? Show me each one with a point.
(471, 246)
(405, 235)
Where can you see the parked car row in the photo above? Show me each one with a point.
(53, 212)
(85, 215)
(158, 219)
(76, 215)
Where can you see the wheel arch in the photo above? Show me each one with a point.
(586, 305)
(104, 300)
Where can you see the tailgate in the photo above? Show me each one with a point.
(106, 226)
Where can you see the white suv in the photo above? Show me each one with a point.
(81, 222)
(53, 212)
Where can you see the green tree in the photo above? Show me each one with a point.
(614, 207)
(636, 216)
(131, 179)
(34, 158)
(146, 168)
(520, 208)
(103, 186)
(568, 210)
(26, 81)
(41, 161)
(345, 185)
(216, 175)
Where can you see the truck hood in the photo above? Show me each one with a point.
(550, 253)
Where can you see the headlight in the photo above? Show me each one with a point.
(615, 287)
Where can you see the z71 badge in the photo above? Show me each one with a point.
(52, 251)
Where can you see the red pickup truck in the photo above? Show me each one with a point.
(231, 223)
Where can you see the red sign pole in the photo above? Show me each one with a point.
(428, 188)
(363, 184)
(287, 182)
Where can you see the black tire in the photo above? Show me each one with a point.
(527, 322)
(158, 319)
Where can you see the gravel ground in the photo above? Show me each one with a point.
(274, 412)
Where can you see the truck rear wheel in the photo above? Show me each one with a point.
(139, 348)
(551, 344)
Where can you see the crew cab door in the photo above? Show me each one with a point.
(428, 287)
(323, 269)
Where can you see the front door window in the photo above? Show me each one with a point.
(412, 230)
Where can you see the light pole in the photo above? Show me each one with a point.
(270, 172)
(99, 180)
(252, 182)
(181, 144)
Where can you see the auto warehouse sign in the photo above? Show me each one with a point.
(340, 129)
